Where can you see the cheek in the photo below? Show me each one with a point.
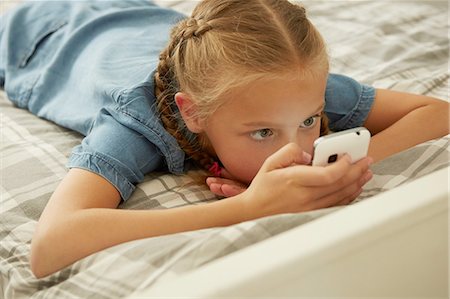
(237, 154)
(242, 163)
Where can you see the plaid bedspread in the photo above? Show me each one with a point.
(401, 45)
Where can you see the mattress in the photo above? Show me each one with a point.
(401, 45)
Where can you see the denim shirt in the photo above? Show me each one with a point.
(89, 66)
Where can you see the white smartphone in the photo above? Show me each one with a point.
(329, 148)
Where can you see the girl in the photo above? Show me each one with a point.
(241, 88)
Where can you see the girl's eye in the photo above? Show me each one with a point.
(261, 134)
(310, 122)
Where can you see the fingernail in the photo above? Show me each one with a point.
(235, 187)
(368, 176)
(365, 178)
(306, 157)
(210, 181)
(369, 161)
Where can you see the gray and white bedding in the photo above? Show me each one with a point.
(402, 45)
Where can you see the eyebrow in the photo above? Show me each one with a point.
(271, 124)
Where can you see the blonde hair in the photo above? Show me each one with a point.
(227, 44)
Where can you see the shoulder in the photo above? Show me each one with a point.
(127, 140)
(347, 102)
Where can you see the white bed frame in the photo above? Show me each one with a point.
(392, 245)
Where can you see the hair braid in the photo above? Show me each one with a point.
(166, 86)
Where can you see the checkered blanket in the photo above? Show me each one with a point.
(397, 44)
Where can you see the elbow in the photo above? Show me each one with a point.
(436, 118)
(442, 110)
(36, 267)
(39, 255)
(55, 245)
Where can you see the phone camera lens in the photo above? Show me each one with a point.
(332, 158)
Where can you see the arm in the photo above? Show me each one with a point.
(400, 120)
(81, 219)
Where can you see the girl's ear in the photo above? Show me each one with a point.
(188, 112)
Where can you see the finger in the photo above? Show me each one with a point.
(348, 200)
(222, 181)
(362, 181)
(340, 188)
(216, 189)
(225, 187)
(345, 194)
(232, 190)
(336, 174)
(288, 155)
(226, 190)
(342, 197)
(311, 176)
(368, 175)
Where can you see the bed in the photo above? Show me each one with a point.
(401, 45)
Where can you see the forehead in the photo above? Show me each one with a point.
(275, 99)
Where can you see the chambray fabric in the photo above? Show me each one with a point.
(89, 65)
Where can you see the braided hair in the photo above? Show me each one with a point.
(226, 44)
(167, 86)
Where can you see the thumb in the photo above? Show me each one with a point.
(288, 155)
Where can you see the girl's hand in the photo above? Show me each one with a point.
(227, 186)
(283, 186)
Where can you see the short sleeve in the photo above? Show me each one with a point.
(117, 153)
(347, 102)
